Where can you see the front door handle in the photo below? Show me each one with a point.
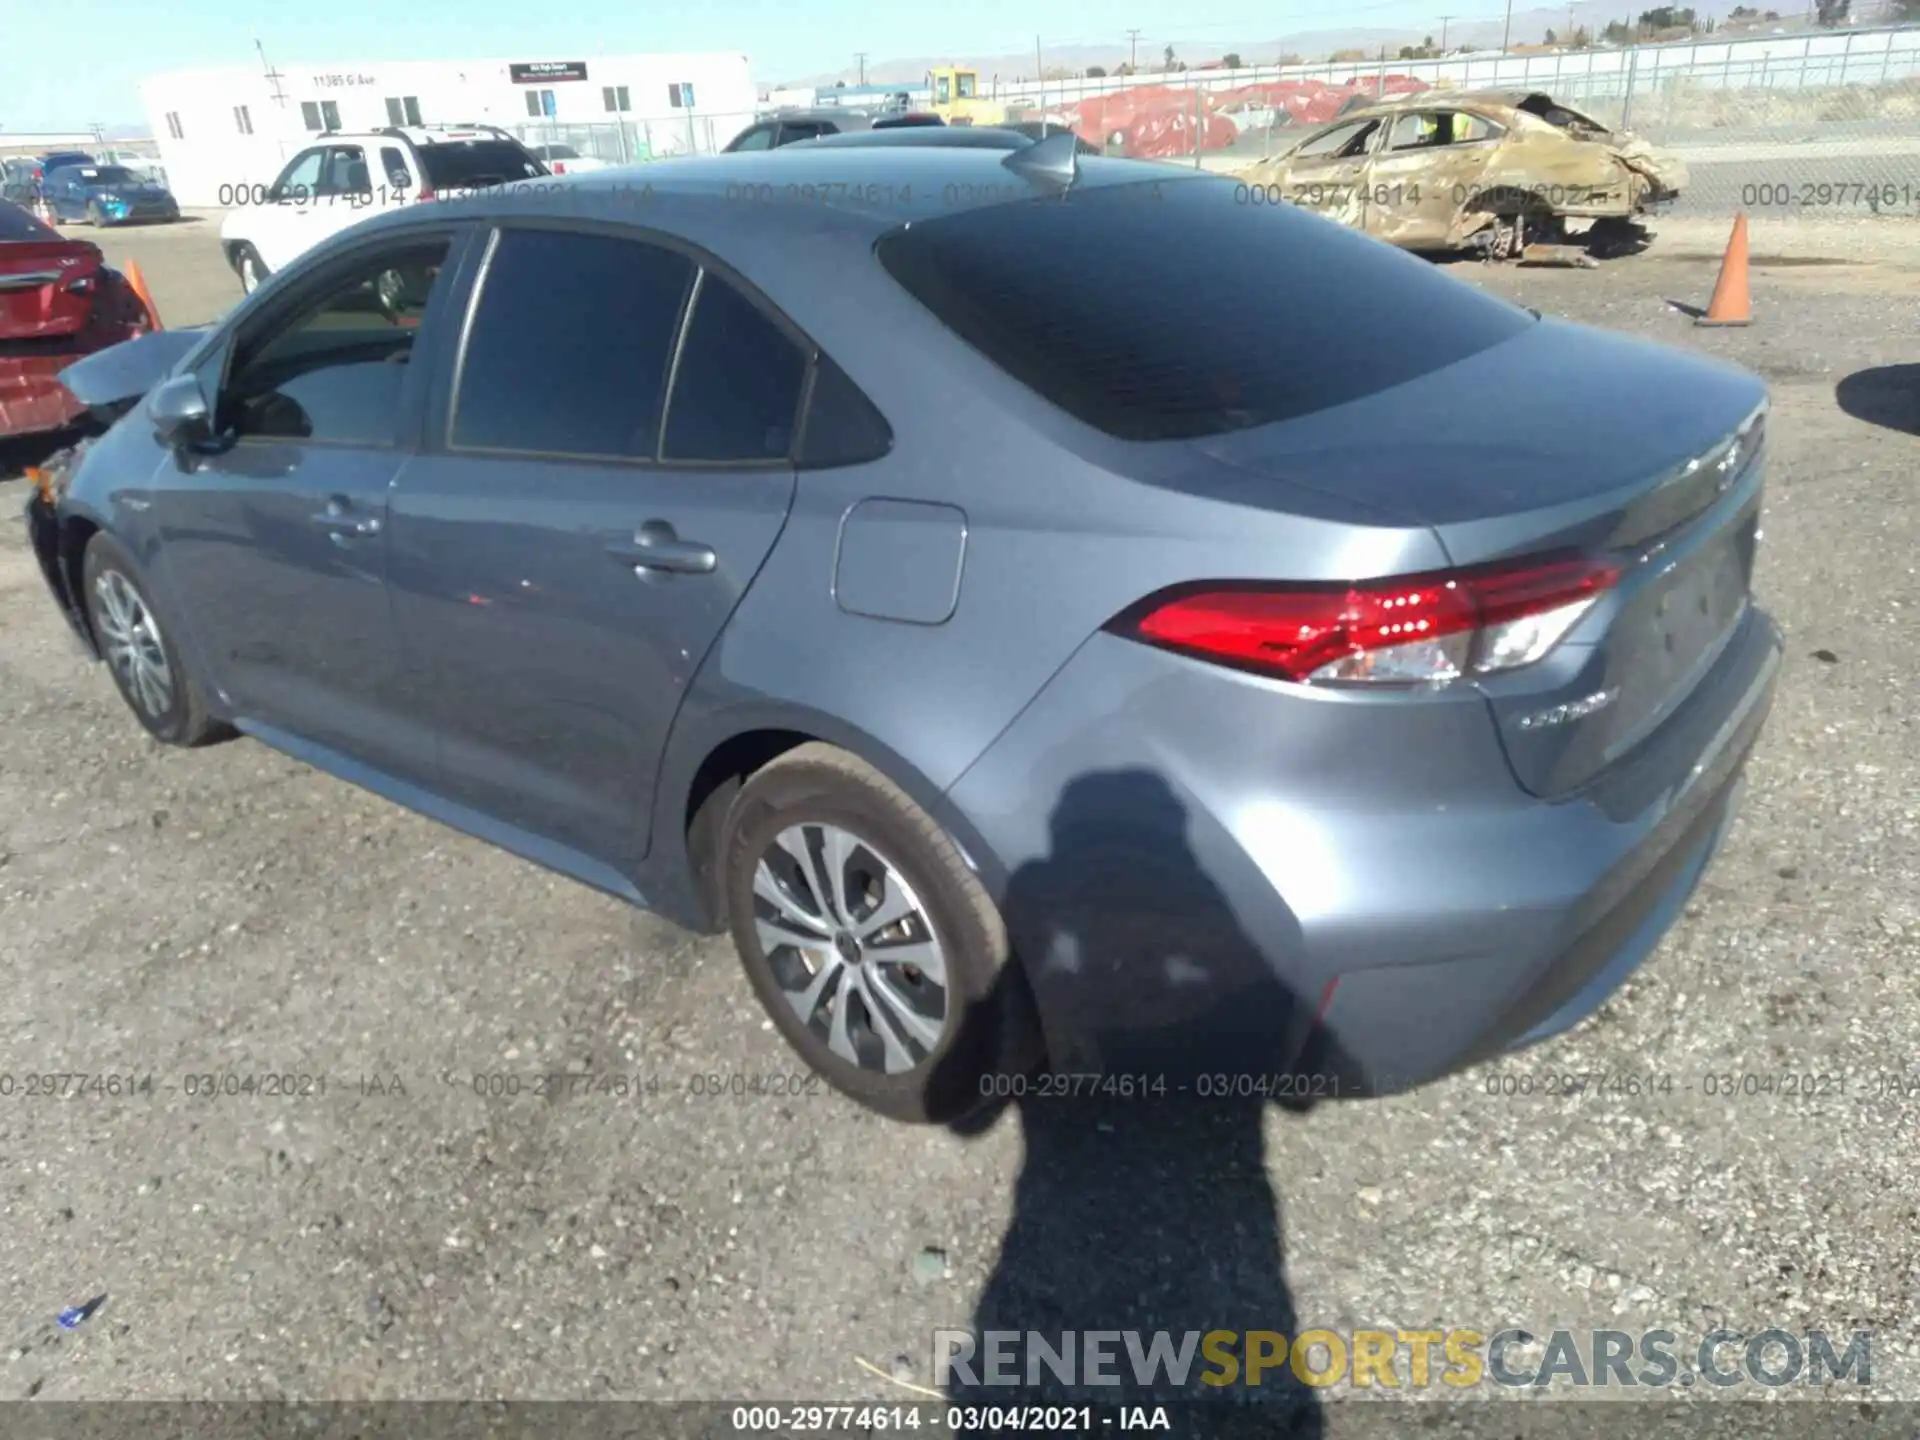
(656, 547)
(339, 518)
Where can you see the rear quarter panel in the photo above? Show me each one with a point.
(1064, 529)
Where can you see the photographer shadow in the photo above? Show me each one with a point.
(1155, 1212)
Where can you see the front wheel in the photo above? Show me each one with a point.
(141, 655)
(869, 940)
(95, 216)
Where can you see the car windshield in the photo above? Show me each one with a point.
(558, 152)
(102, 175)
(469, 164)
(1233, 315)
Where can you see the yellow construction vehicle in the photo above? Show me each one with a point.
(956, 99)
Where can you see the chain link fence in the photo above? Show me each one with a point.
(1820, 121)
(632, 141)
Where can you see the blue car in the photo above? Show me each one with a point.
(106, 195)
(1047, 611)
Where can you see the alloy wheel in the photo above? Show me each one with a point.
(851, 947)
(130, 639)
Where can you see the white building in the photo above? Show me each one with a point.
(236, 126)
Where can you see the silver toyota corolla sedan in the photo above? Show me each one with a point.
(1048, 613)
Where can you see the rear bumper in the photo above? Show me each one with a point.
(1211, 874)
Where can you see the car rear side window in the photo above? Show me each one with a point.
(1170, 310)
(571, 345)
(736, 391)
(843, 427)
(476, 164)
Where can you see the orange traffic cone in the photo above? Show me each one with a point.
(138, 284)
(1731, 304)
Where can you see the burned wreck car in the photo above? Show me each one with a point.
(1505, 173)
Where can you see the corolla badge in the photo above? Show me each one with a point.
(1571, 711)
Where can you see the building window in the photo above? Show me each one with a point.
(174, 127)
(310, 115)
(680, 96)
(403, 111)
(243, 119)
(533, 102)
(616, 99)
(330, 112)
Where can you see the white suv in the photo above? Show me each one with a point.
(341, 179)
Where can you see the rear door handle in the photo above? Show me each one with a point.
(656, 547)
(340, 518)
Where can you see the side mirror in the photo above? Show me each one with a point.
(179, 411)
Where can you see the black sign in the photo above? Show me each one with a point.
(542, 72)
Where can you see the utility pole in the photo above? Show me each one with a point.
(1039, 65)
(273, 76)
(861, 57)
(1506, 34)
(1133, 50)
(1443, 33)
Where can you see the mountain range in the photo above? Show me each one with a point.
(1528, 27)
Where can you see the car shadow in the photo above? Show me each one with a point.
(1887, 395)
(1153, 1213)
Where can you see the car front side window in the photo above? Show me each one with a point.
(301, 179)
(334, 373)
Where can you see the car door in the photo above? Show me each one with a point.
(273, 534)
(574, 539)
(1326, 172)
(274, 228)
(66, 192)
(1431, 166)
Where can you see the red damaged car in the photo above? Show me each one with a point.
(58, 302)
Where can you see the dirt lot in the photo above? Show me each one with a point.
(227, 911)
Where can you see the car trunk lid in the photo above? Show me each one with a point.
(46, 287)
(1562, 440)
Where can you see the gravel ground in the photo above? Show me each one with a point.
(400, 1236)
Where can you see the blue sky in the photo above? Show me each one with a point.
(100, 81)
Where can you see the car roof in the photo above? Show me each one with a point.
(1499, 104)
(863, 190)
(849, 117)
(959, 137)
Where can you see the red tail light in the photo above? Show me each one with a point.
(426, 194)
(1422, 629)
(559, 167)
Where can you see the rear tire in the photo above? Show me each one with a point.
(921, 1039)
(146, 665)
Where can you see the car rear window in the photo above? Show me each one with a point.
(1176, 309)
(473, 164)
(17, 224)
